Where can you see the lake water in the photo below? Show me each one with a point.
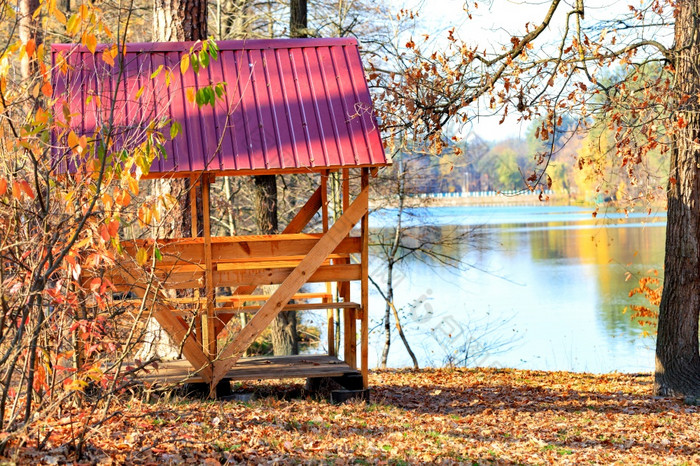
(540, 288)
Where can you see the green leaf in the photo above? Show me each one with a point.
(219, 89)
(194, 62)
(175, 129)
(157, 72)
(157, 254)
(204, 58)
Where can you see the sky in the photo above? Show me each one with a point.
(493, 23)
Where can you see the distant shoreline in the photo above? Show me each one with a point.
(527, 199)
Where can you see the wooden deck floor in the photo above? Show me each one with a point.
(274, 367)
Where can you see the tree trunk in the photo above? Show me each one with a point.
(175, 20)
(29, 28)
(179, 20)
(677, 358)
(387, 312)
(298, 19)
(283, 329)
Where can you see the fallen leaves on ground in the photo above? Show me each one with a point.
(439, 416)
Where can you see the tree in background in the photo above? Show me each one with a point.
(422, 89)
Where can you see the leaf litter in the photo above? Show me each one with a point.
(482, 416)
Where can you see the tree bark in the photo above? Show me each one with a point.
(175, 20)
(179, 20)
(298, 24)
(283, 330)
(677, 357)
(29, 28)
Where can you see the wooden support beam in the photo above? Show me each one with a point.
(208, 317)
(299, 276)
(324, 199)
(364, 285)
(194, 232)
(253, 309)
(173, 325)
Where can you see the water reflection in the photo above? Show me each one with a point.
(552, 278)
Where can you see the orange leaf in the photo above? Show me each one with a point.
(113, 228)
(47, 89)
(107, 57)
(3, 186)
(30, 47)
(104, 233)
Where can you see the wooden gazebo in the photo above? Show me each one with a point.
(290, 106)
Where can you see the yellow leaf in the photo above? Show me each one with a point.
(58, 14)
(139, 92)
(133, 185)
(73, 141)
(184, 64)
(90, 41)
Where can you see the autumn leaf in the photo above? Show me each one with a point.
(90, 41)
(47, 89)
(141, 256)
(30, 48)
(184, 63)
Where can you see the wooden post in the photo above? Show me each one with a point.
(324, 220)
(344, 287)
(364, 351)
(194, 231)
(324, 199)
(208, 317)
(349, 323)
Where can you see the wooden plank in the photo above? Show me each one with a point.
(364, 287)
(283, 262)
(227, 249)
(275, 367)
(274, 276)
(252, 309)
(291, 285)
(265, 297)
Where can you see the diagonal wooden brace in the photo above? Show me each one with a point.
(163, 314)
(291, 285)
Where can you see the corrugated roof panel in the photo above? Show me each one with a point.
(289, 104)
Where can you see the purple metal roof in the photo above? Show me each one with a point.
(289, 105)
